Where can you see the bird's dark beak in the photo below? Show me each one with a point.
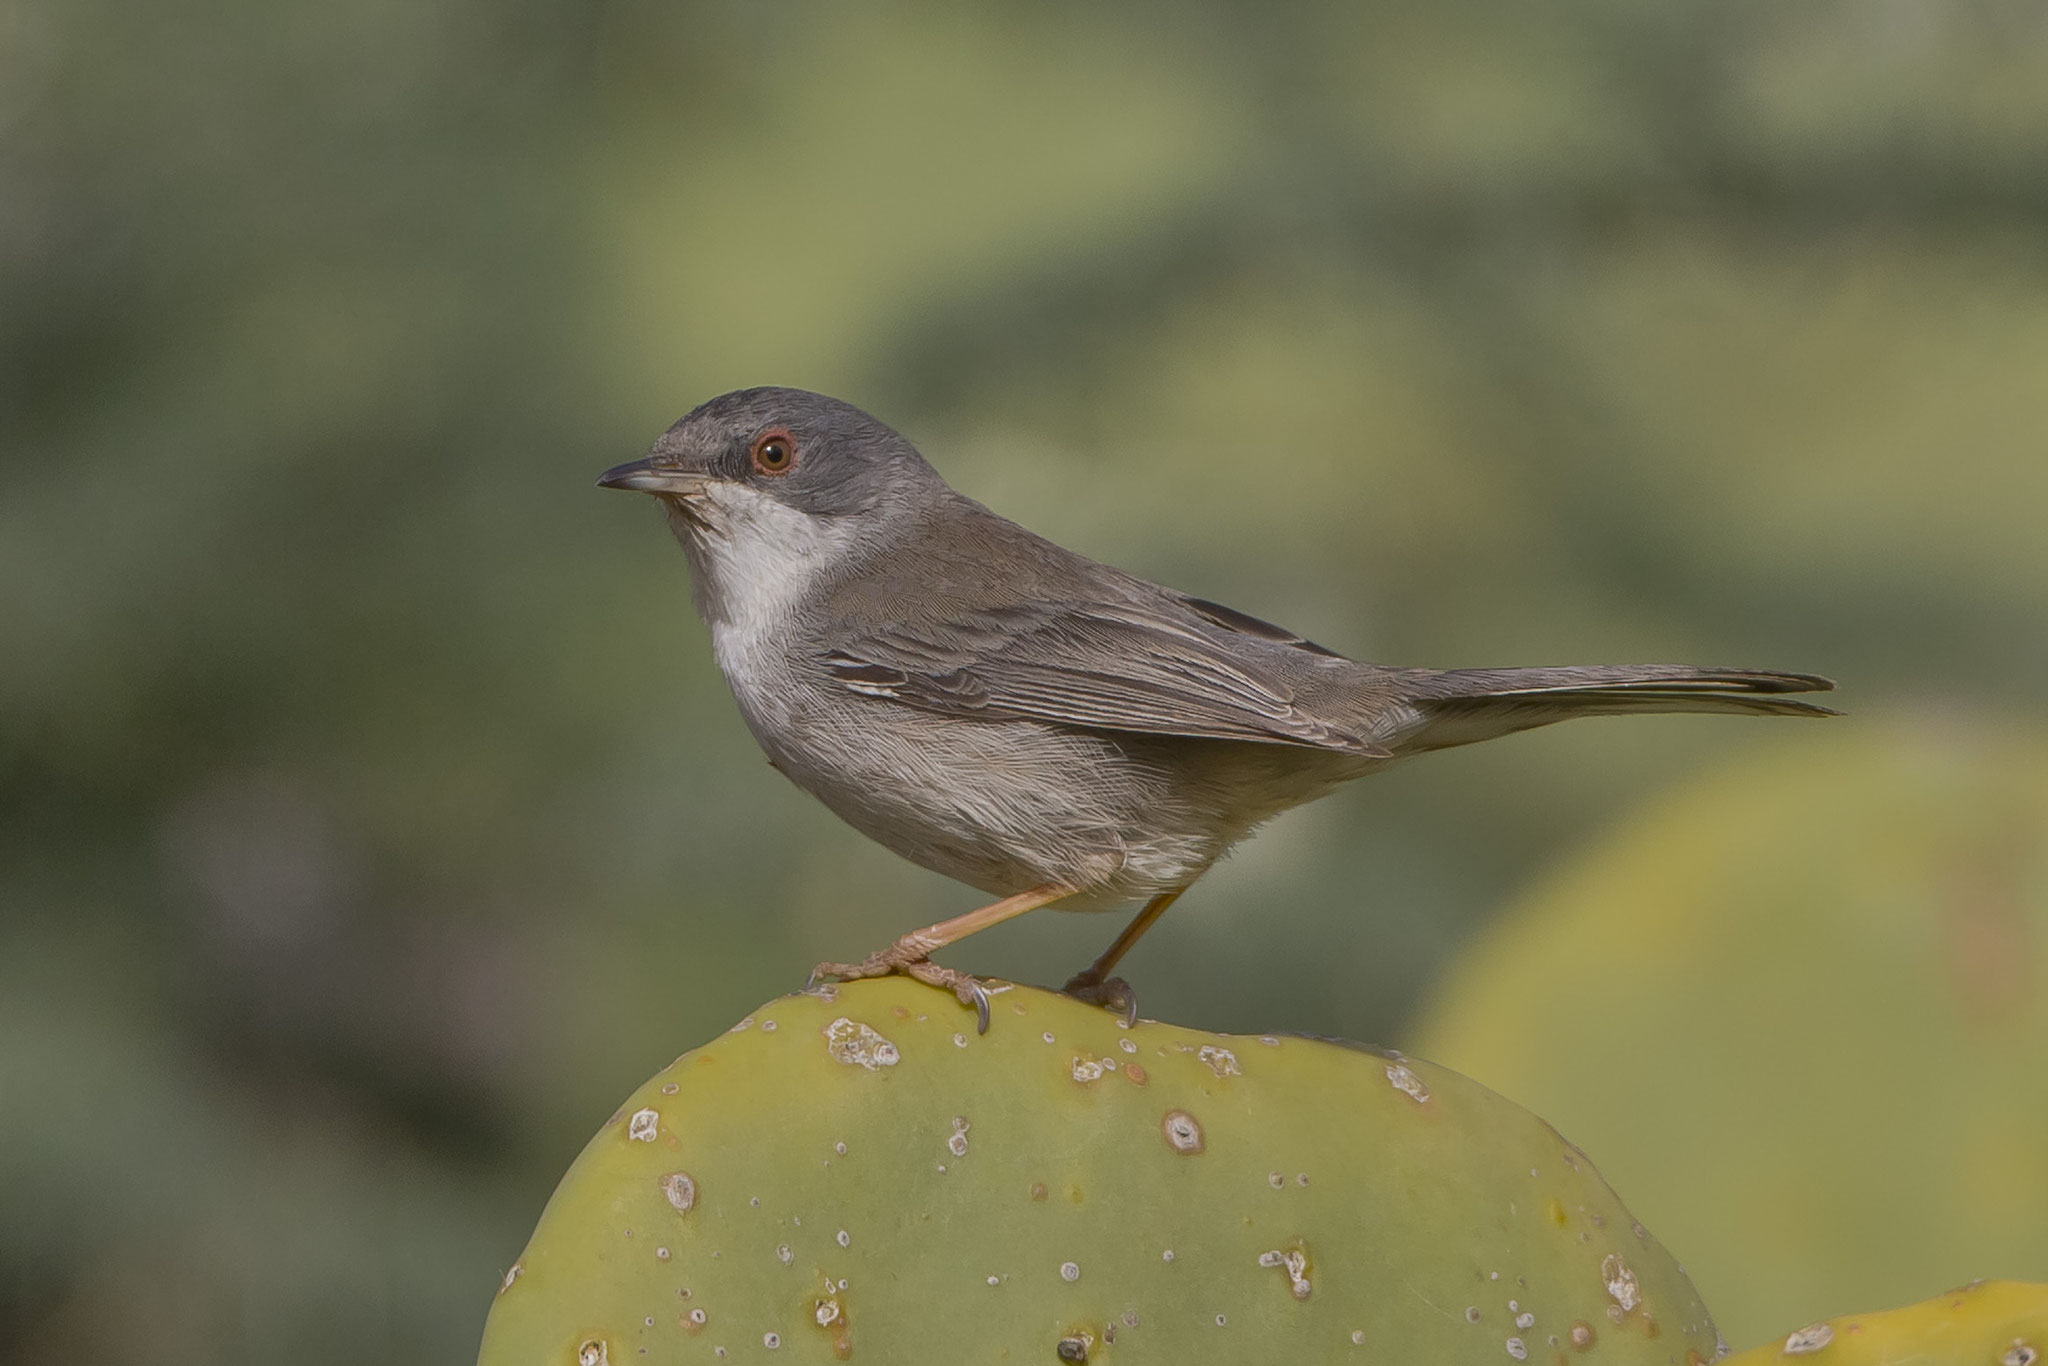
(644, 476)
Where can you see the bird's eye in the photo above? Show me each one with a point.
(774, 451)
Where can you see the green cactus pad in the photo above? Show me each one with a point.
(856, 1174)
(1799, 1011)
(1991, 1323)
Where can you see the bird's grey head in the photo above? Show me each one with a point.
(777, 485)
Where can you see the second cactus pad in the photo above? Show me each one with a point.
(1987, 1323)
(855, 1174)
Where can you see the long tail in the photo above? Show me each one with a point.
(1459, 706)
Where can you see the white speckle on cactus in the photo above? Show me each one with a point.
(1222, 1319)
(783, 1253)
(1525, 1320)
(593, 1352)
(747, 1023)
(1294, 1261)
(840, 1147)
(995, 1280)
(2021, 1353)
(827, 1313)
(1518, 1349)
(956, 1142)
(661, 1254)
(669, 1088)
(1183, 1133)
(1166, 1256)
(680, 1189)
(1070, 1271)
(771, 1340)
(642, 1127)
(768, 1026)
(1087, 1069)
(512, 1273)
(853, 1043)
(844, 1238)
(1221, 1061)
(959, 1041)
(1301, 1178)
(1276, 1180)
(1047, 1036)
(1358, 1337)
(1471, 1313)
(1621, 1283)
(1811, 1338)
(698, 1316)
(1407, 1082)
(1269, 1041)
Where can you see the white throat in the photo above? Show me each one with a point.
(752, 561)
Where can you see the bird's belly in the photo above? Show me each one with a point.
(1003, 806)
(1006, 806)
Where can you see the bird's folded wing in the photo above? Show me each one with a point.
(1096, 666)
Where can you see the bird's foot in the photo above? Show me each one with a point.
(1113, 993)
(912, 960)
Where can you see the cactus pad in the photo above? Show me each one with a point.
(855, 1174)
(1800, 1010)
(1991, 1323)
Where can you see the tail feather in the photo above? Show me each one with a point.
(1459, 706)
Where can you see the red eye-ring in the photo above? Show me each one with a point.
(774, 451)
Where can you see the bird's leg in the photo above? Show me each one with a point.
(1094, 984)
(911, 955)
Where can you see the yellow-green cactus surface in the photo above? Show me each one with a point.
(1799, 1011)
(1991, 1323)
(856, 1174)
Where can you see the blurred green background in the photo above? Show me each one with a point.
(372, 816)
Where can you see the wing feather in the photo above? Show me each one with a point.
(1100, 666)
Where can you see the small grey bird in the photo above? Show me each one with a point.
(1038, 725)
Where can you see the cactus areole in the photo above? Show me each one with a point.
(855, 1174)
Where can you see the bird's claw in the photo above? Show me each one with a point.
(1114, 993)
(963, 986)
(910, 963)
